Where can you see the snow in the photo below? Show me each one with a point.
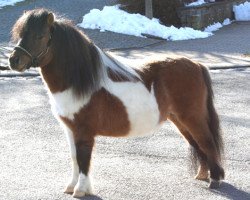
(196, 3)
(111, 18)
(242, 12)
(8, 2)
(226, 22)
(217, 26)
(199, 2)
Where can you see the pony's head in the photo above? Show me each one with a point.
(33, 31)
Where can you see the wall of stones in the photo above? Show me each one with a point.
(199, 17)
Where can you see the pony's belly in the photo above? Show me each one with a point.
(141, 106)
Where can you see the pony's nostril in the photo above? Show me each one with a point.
(14, 60)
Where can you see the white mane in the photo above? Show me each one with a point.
(117, 67)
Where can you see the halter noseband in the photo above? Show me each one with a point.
(34, 59)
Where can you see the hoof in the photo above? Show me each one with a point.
(69, 189)
(214, 184)
(202, 177)
(83, 187)
(202, 174)
(79, 194)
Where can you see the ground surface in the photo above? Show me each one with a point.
(34, 155)
(35, 159)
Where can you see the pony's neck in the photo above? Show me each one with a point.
(53, 78)
(78, 64)
(75, 64)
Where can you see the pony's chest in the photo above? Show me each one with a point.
(66, 104)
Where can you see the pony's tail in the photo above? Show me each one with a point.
(194, 159)
(213, 119)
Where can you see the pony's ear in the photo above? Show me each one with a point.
(50, 19)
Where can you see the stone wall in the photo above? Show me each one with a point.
(199, 17)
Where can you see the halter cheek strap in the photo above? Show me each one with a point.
(34, 59)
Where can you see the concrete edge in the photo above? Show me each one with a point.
(9, 75)
(230, 67)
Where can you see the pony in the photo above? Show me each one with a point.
(93, 94)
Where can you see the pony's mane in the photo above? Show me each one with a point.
(81, 64)
(84, 64)
(120, 70)
(76, 57)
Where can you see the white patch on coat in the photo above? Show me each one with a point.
(70, 139)
(140, 104)
(66, 104)
(83, 186)
(74, 177)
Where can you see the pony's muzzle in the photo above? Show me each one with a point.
(18, 62)
(14, 60)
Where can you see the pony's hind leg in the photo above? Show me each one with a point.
(200, 132)
(203, 171)
(197, 154)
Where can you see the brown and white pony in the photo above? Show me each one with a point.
(93, 94)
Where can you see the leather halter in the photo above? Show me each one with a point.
(34, 59)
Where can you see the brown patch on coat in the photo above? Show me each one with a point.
(104, 115)
(173, 82)
(54, 79)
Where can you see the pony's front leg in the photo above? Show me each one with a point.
(84, 148)
(74, 178)
(75, 168)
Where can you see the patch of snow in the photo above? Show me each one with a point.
(8, 2)
(196, 3)
(111, 18)
(226, 22)
(217, 26)
(242, 11)
(213, 27)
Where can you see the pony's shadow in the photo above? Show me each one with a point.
(231, 192)
(90, 197)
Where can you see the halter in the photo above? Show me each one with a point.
(34, 59)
